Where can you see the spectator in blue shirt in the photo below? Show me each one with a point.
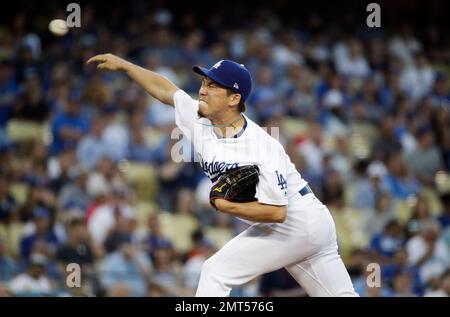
(155, 239)
(440, 93)
(399, 265)
(126, 270)
(8, 268)
(399, 181)
(92, 147)
(69, 126)
(402, 285)
(138, 150)
(389, 241)
(43, 237)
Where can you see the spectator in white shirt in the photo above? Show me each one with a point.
(352, 63)
(443, 290)
(417, 79)
(428, 252)
(405, 45)
(34, 282)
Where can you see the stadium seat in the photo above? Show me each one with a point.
(443, 182)
(143, 177)
(294, 126)
(433, 200)
(363, 135)
(12, 234)
(218, 236)
(403, 210)
(349, 193)
(329, 142)
(350, 232)
(20, 192)
(143, 210)
(178, 228)
(3, 231)
(23, 130)
(153, 136)
(367, 130)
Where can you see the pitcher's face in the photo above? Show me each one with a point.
(214, 99)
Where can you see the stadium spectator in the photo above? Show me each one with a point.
(126, 272)
(69, 126)
(92, 147)
(426, 160)
(8, 267)
(387, 242)
(34, 281)
(400, 182)
(42, 238)
(428, 252)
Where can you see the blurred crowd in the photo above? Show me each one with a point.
(86, 173)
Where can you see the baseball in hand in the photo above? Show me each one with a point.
(58, 27)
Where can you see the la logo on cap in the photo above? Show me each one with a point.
(218, 64)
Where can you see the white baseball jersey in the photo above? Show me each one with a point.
(278, 181)
(304, 244)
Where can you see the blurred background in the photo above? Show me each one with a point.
(85, 169)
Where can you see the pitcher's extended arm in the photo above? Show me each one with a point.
(155, 84)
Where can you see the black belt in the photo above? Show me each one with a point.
(305, 190)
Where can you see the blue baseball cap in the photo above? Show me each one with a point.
(230, 75)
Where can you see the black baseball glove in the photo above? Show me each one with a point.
(238, 185)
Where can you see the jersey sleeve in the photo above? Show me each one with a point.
(186, 116)
(272, 186)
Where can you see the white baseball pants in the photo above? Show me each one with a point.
(305, 245)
